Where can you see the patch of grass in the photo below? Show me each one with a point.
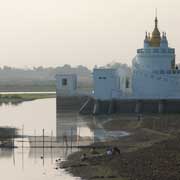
(18, 98)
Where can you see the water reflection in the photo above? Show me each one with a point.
(39, 163)
(37, 114)
(83, 130)
(10, 103)
(71, 128)
(27, 163)
(18, 164)
(6, 152)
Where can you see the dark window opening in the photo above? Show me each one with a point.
(102, 77)
(64, 82)
(127, 83)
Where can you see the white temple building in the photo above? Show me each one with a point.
(154, 73)
(151, 85)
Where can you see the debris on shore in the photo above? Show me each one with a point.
(151, 152)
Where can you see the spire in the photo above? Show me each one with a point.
(164, 41)
(146, 41)
(156, 36)
(146, 36)
(156, 20)
(156, 12)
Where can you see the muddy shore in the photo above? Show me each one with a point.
(151, 152)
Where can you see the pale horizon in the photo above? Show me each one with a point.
(82, 32)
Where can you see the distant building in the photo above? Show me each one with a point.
(66, 84)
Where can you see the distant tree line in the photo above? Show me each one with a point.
(43, 78)
(41, 73)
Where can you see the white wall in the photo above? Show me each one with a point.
(106, 83)
(146, 84)
(155, 62)
(150, 77)
(125, 76)
(68, 89)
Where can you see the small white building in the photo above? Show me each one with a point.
(66, 84)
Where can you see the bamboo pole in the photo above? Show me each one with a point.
(43, 145)
(71, 136)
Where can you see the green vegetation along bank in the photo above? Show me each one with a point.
(18, 98)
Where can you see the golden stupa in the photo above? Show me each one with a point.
(156, 36)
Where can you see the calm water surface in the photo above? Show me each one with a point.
(26, 163)
(37, 114)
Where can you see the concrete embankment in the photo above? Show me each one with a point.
(88, 105)
(70, 103)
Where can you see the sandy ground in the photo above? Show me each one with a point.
(151, 152)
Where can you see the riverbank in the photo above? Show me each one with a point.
(152, 151)
(18, 98)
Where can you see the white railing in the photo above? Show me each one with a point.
(156, 50)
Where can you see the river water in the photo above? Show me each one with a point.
(33, 116)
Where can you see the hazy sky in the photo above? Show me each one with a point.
(86, 32)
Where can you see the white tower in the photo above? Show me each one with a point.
(154, 72)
